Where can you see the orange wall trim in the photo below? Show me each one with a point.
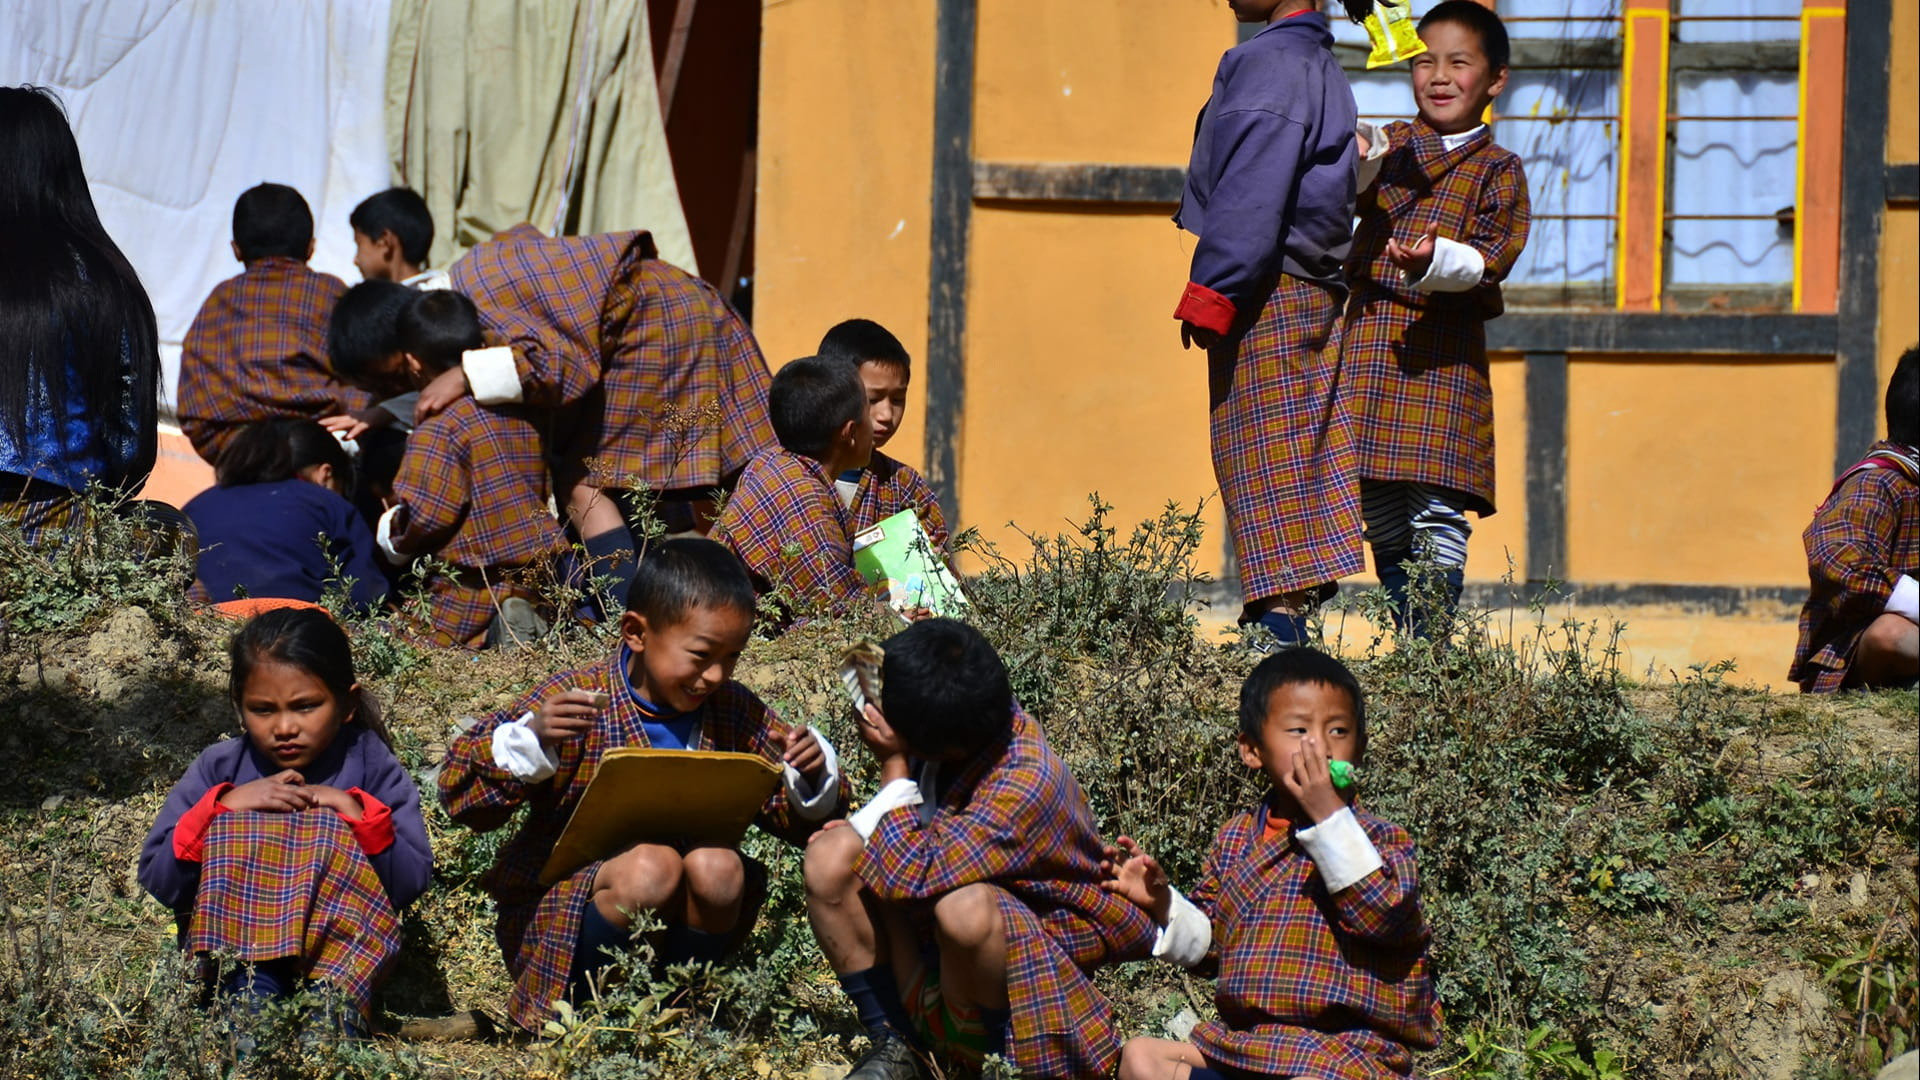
(1643, 156)
(1816, 200)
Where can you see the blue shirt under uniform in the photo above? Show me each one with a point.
(666, 730)
(283, 540)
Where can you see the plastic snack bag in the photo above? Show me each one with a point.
(1394, 34)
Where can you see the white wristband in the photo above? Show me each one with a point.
(1186, 937)
(383, 536)
(1905, 599)
(1456, 267)
(517, 750)
(491, 375)
(896, 794)
(1341, 850)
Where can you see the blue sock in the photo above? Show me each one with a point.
(597, 936)
(876, 1000)
(684, 945)
(612, 556)
(1287, 628)
(997, 1027)
(265, 980)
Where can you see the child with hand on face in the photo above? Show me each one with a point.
(1310, 905)
(669, 686)
(294, 848)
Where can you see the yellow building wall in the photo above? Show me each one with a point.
(1900, 232)
(1499, 543)
(1695, 472)
(1903, 84)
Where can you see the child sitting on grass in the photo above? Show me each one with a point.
(668, 685)
(785, 520)
(1310, 905)
(294, 848)
(962, 907)
(885, 486)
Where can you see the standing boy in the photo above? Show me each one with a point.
(1270, 193)
(1861, 622)
(258, 348)
(669, 686)
(472, 490)
(1310, 905)
(885, 487)
(963, 906)
(785, 520)
(1441, 227)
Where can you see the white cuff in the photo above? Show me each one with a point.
(1456, 267)
(1905, 599)
(896, 794)
(1186, 937)
(815, 804)
(1366, 169)
(517, 750)
(1340, 850)
(491, 375)
(383, 536)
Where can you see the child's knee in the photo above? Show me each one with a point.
(1889, 635)
(828, 864)
(968, 917)
(640, 878)
(714, 875)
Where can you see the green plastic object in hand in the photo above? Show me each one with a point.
(1344, 774)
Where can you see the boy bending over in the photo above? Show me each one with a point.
(885, 487)
(1310, 905)
(963, 906)
(1861, 622)
(669, 685)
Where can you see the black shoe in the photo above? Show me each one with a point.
(893, 1059)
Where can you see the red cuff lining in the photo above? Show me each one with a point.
(374, 830)
(1206, 309)
(189, 833)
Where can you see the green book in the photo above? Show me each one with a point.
(897, 554)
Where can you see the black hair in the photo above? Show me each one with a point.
(1903, 399)
(1292, 666)
(944, 690)
(272, 219)
(402, 212)
(437, 325)
(364, 330)
(812, 398)
(309, 444)
(308, 639)
(863, 341)
(677, 576)
(269, 451)
(75, 322)
(1479, 19)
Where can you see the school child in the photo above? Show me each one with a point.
(1860, 625)
(295, 847)
(785, 520)
(472, 490)
(668, 685)
(1439, 229)
(962, 906)
(392, 232)
(1310, 905)
(885, 487)
(277, 524)
(258, 348)
(1270, 193)
(662, 384)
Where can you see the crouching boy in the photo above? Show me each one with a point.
(1310, 906)
(668, 685)
(962, 907)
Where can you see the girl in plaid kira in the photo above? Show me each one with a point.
(294, 848)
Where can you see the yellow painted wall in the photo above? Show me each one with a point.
(1903, 86)
(1695, 472)
(1900, 232)
(1504, 535)
(846, 165)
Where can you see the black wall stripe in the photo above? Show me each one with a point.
(1546, 381)
(952, 212)
(1863, 205)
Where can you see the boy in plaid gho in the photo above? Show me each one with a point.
(1309, 906)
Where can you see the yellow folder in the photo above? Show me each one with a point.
(645, 796)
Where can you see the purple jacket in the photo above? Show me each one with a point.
(1270, 185)
(357, 758)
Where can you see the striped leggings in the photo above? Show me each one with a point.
(1406, 520)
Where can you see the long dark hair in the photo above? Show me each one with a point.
(269, 451)
(70, 302)
(308, 639)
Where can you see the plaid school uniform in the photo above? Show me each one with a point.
(888, 487)
(1415, 363)
(538, 925)
(475, 484)
(1863, 537)
(1333, 987)
(279, 885)
(1283, 445)
(257, 351)
(1016, 819)
(786, 522)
